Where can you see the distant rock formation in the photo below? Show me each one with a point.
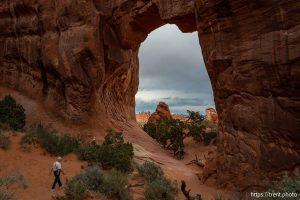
(162, 112)
(142, 117)
(211, 115)
(182, 118)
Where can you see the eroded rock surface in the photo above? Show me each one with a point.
(79, 58)
(211, 115)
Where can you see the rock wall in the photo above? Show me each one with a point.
(80, 59)
(252, 54)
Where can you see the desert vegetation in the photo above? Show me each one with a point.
(4, 141)
(50, 139)
(12, 114)
(170, 133)
(112, 153)
(286, 185)
(109, 163)
(10, 180)
(110, 183)
(12, 117)
(158, 186)
(113, 184)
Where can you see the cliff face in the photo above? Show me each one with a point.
(80, 59)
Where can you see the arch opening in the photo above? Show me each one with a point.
(171, 69)
(173, 86)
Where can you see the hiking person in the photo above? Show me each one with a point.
(56, 169)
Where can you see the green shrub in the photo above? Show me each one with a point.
(59, 197)
(17, 177)
(150, 171)
(286, 185)
(119, 156)
(113, 153)
(76, 189)
(12, 113)
(218, 197)
(195, 117)
(150, 128)
(112, 184)
(93, 178)
(161, 189)
(171, 132)
(90, 152)
(115, 185)
(50, 140)
(209, 137)
(4, 141)
(141, 124)
(5, 195)
(113, 138)
(4, 126)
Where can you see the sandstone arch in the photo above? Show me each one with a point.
(80, 59)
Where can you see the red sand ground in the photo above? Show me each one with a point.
(35, 166)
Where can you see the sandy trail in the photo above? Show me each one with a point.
(35, 166)
(147, 148)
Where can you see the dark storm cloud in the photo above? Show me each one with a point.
(176, 104)
(172, 61)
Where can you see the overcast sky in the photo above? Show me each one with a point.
(172, 70)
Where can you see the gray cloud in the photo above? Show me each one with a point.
(171, 60)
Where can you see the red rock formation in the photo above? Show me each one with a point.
(80, 59)
(162, 112)
(142, 117)
(182, 118)
(211, 115)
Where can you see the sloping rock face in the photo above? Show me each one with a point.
(162, 112)
(211, 115)
(80, 59)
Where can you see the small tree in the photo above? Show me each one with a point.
(170, 133)
(161, 189)
(150, 128)
(116, 154)
(12, 113)
(50, 139)
(150, 171)
(4, 141)
(114, 185)
(76, 189)
(195, 117)
(113, 153)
